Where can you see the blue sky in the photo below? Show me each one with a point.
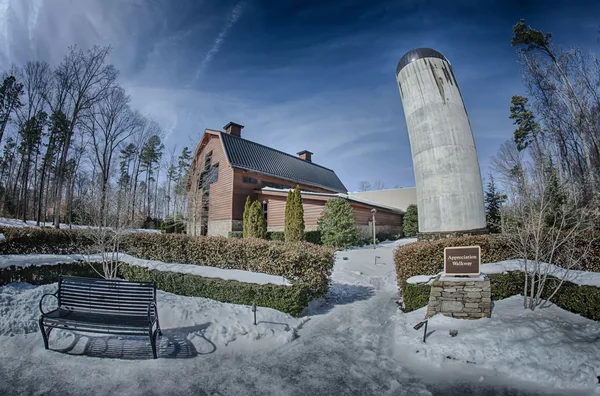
(315, 75)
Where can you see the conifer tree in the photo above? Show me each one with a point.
(493, 201)
(294, 216)
(411, 221)
(245, 224)
(338, 225)
(257, 227)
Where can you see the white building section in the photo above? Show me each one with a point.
(447, 174)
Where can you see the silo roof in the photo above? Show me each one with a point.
(418, 53)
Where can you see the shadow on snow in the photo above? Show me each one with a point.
(342, 294)
(174, 344)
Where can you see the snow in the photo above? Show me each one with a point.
(355, 341)
(549, 345)
(6, 222)
(578, 277)
(26, 260)
(229, 323)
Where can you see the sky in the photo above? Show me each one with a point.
(301, 74)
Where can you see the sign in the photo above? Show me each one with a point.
(462, 260)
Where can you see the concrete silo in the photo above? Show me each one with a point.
(447, 174)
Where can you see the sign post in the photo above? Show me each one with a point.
(462, 261)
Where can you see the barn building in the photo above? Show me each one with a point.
(227, 168)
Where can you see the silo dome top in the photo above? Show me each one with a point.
(418, 53)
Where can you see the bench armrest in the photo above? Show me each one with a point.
(152, 313)
(42, 300)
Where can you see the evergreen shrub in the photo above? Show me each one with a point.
(294, 216)
(411, 221)
(337, 224)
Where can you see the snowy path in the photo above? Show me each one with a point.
(348, 347)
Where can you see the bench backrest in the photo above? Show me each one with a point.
(114, 296)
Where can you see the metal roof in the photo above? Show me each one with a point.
(251, 156)
(418, 53)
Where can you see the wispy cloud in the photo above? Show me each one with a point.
(235, 15)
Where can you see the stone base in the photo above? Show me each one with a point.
(465, 298)
(434, 236)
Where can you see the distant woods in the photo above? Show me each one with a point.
(74, 151)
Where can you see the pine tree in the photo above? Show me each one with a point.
(493, 202)
(294, 216)
(411, 221)
(257, 226)
(338, 225)
(245, 223)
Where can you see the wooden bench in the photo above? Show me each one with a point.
(110, 306)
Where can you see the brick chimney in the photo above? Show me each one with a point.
(233, 129)
(305, 155)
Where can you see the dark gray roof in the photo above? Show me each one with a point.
(418, 53)
(244, 154)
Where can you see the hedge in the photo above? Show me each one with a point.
(583, 300)
(288, 299)
(43, 241)
(421, 258)
(300, 261)
(309, 236)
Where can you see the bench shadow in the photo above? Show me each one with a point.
(174, 344)
(342, 294)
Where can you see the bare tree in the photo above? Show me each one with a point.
(364, 186)
(378, 185)
(548, 226)
(110, 123)
(82, 80)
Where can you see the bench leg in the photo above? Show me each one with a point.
(153, 342)
(44, 334)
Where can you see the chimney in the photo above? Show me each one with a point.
(305, 155)
(233, 129)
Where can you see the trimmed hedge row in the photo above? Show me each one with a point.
(46, 274)
(309, 236)
(421, 258)
(42, 241)
(300, 261)
(288, 299)
(582, 300)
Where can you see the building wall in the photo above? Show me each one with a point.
(397, 197)
(313, 210)
(220, 198)
(241, 190)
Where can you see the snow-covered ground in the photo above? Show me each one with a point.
(25, 260)
(6, 222)
(356, 342)
(574, 276)
(549, 346)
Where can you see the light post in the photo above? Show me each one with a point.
(374, 211)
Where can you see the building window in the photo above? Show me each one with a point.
(208, 160)
(250, 180)
(265, 210)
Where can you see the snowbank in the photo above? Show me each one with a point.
(5, 222)
(25, 260)
(197, 319)
(549, 346)
(578, 277)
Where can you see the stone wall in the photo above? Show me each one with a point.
(434, 236)
(466, 298)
